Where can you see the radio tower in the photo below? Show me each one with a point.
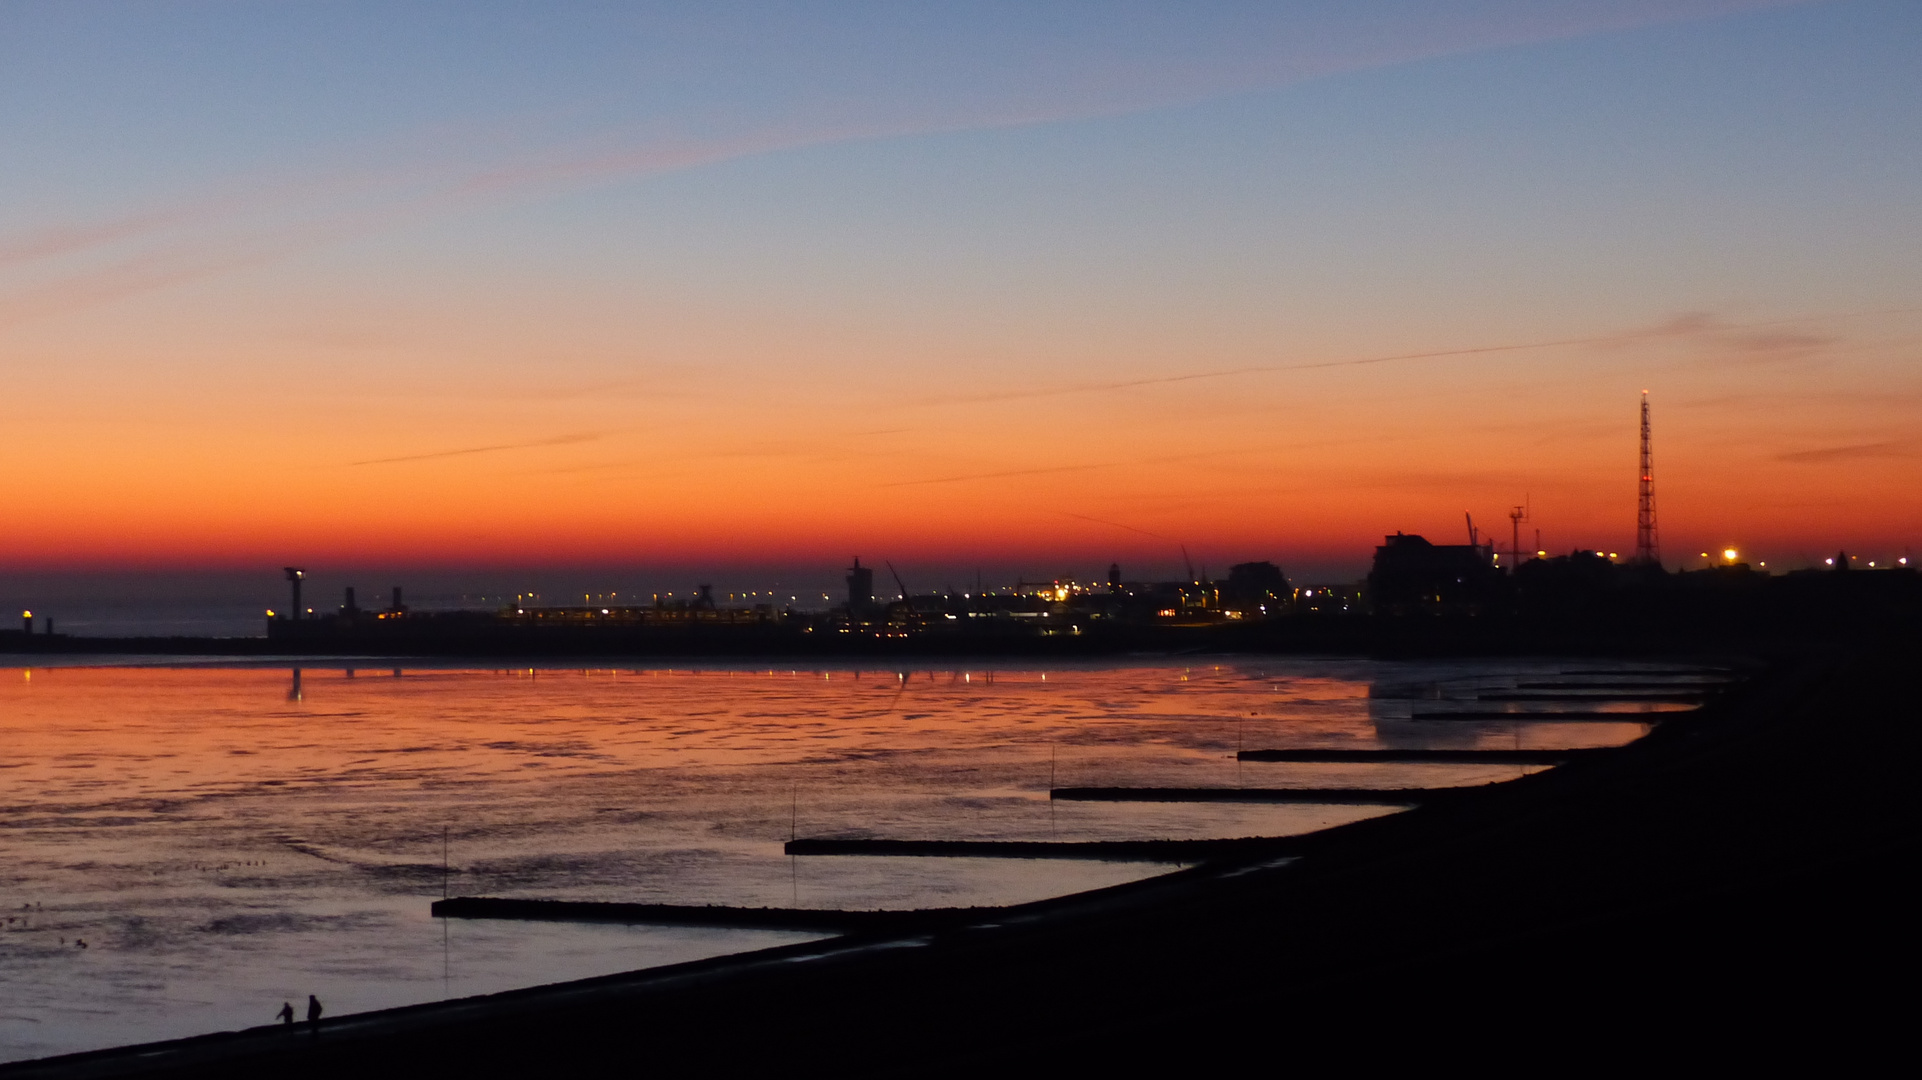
(1648, 545)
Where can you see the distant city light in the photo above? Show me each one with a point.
(1830, 562)
(1728, 554)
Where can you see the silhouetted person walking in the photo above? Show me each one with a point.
(286, 1013)
(313, 1012)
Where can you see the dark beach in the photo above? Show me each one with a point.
(1728, 886)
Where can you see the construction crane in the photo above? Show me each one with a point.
(902, 585)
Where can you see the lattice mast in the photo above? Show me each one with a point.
(1648, 544)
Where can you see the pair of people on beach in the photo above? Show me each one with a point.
(286, 1013)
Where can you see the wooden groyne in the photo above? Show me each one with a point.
(1672, 686)
(1412, 757)
(739, 918)
(1322, 796)
(1680, 697)
(1718, 675)
(1587, 716)
(1169, 851)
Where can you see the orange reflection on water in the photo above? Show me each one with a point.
(225, 835)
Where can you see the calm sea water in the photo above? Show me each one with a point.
(225, 838)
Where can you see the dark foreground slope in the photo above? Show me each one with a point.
(1734, 886)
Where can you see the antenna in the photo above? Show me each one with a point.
(1515, 519)
(1474, 538)
(1648, 545)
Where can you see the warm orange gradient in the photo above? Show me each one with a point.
(1042, 288)
(1781, 437)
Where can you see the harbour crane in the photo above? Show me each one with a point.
(902, 585)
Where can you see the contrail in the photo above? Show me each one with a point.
(1118, 525)
(1266, 369)
(964, 477)
(559, 440)
(1010, 472)
(1682, 326)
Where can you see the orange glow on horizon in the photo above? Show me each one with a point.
(738, 465)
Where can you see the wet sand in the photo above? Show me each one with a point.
(1733, 886)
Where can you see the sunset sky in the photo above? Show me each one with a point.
(679, 288)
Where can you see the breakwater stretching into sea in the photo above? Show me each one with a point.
(223, 838)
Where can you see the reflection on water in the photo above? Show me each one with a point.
(226, 838)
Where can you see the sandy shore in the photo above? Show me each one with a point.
(1733, 886)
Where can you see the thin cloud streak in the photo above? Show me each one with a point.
(1856, 452)
(62, 240)
(196, 240)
